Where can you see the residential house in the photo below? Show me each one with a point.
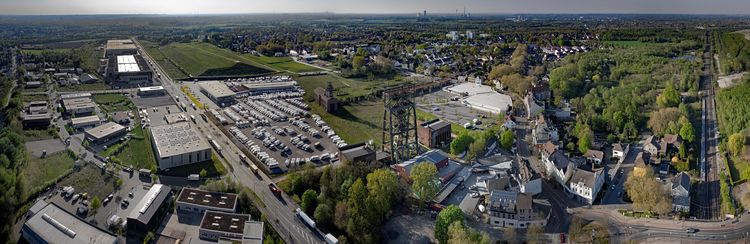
(651, 145)
(513, 210)
(532, 108)
(594, 156)
(669, 143)
(680, 191)
(544, 131)
(585, 184)
(556, 163)
(620, 150)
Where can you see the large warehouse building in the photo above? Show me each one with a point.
(178, 144)
(218, 92)
(482, 97)
(51, 224)
(121, 47)
(125, 67)
(105, 132)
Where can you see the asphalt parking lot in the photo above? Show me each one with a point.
(36, 148)
(439, 104)
(327, 146)
(152, 101)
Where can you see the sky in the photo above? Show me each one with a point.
(59, 7)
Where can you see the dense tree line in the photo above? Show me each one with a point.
(734, 52)
(733, 105)
(351, 199)
(609, 88)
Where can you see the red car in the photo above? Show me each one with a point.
(276, 191)
(562, 237)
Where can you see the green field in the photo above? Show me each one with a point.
(186, 60)
(39, 171)
(355, 123)
(136, 152)
(282, 63)
(84, 87)
(627, 43)
(113, 102)
(32, 98)
(343, 87)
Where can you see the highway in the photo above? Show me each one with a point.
(278, 211)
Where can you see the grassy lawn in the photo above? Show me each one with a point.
(214, 168)
(84, 87)
(92, 180)
(202, 59)
(38, 172)
(46, 50)
(282, 63)
(32, 98)
(355, 123)
(343, 87)
(36, 135)
(136, 152)
(113, 102)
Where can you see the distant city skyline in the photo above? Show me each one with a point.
(52, 7)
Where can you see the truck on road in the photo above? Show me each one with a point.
(303, 216)
(254, 168)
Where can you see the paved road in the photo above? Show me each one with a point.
(279, 211)
(624, 228)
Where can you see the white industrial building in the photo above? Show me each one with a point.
(48, 223)
(200, 201)
(151, 91)
(239, 227)
(482, 97)
(178, 144)
(125, 67)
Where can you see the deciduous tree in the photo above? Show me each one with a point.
(424, 181)
(446, 217)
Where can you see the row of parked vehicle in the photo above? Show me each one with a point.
(299, 103)
(262, 155)
(329, 131)
(266, 110)
(306, 127)
(287, 108)
(252, 116)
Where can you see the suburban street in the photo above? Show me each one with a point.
(279, 211)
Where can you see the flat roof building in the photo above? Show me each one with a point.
(105, 132)
(178, 144)
(78, 105)
(150, 210)
(83, 122)
(151, 91)
(128, 70)
(218, 92)
(75, 95)
(120, 47)
(199, 201)
(360, 152)
(239, 227)
(52, 224)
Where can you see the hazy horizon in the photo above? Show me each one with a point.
(176, 7)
